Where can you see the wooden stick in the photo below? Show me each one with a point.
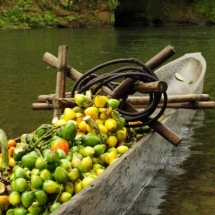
(166, 133)
(157, 60)
(151, 87)
(140, 100)
(53, 61)
(61, 77)
(185, 105)
(42, 106)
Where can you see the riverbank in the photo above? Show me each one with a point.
(100, 13)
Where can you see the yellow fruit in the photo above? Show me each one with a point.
(98, 121)
(110, 156)
(100, 101)
(111, 124)
(83, 126)
(112, 141)
(69, 114)
(78, 186)
(121, 135)
(80, 99)
(99, 171)
(103, 115)
(86, 181)
(4, 202)
(60, 122)
(122, 149)
(92, 111)
(103, 129)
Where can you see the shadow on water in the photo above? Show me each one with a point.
(185, 183)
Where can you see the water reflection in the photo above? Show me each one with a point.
(157, 198)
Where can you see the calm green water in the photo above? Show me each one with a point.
(24, 76)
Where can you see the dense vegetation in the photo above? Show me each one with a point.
(100, 13)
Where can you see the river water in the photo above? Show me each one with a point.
(188, 186)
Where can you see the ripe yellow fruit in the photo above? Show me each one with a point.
(103, 129)
(69, 114)
(121, 135)
(122, 149)
(92, 111)
(83, 126)
(100, 101)
(111, 124)
(112, 141)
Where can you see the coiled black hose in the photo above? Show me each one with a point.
(141, 73)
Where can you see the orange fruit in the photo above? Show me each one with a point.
(11, 143)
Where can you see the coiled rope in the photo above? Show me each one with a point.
(141, 73)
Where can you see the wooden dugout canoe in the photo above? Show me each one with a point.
(113, 191)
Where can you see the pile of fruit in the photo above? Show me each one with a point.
(47, 167)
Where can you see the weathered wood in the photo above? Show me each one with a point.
(151, 87)
(53, 61)
(61, 76)
(140, 100)
(42, 106)
(185, 105)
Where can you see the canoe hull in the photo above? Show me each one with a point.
(113, 191)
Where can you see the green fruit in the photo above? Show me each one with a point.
(55, 206)
(20, 211)
(18, 153)
(114, 103)
(21, 184)
(27, 198)
(45, 175)
(41, 163)
(10, 212)
(29, 161)
(51, 187)
(90, 140)
(19, 173)
(53, 157)
(86, 165)
(99, 149)
(60, 175)
(15, 198)
(74, 149)
(120, 122)
(73, 174)
(36, 182)
(76, 161)
(68, 187)
(61, 153)
(41, 197)
(87, 151)
(35, 208)
(69, 130)
(64, 163)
